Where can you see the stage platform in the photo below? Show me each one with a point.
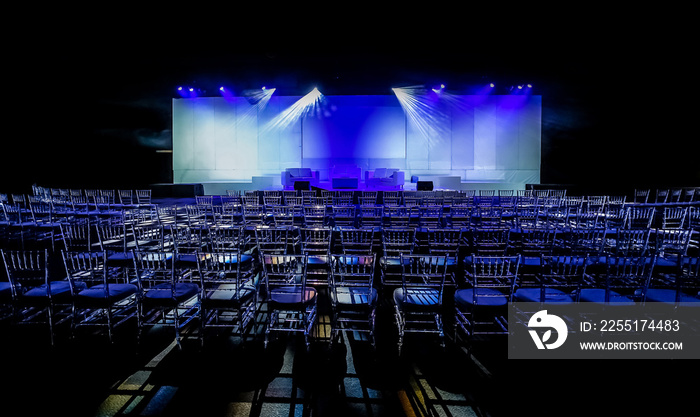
(222, 187)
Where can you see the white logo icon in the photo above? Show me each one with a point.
(542, 319)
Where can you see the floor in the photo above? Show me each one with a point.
(88, 376)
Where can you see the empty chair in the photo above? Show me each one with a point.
(640, 217)
(490, 241)
(418, 302)
(395, 241)
(291, 303)
(585, 241)
(229, 292)
(253, 214)
(315, 215)
(370, 216)
(430, 216)
(670, 243)
(557, 281)
(316, 243)
(148, 238)
(227, 239)
(459, 216)
(284, 215)
(344, 215)
(77, 236)
(621, 283)
(276, 239)
(481, 307)
(448, 243)
(674, 217)
(641, 195)
(399, 216)
(352, 294)
(37, 298)
(680, 287)
(586, 219)
(143, 197)
(662, 195)
(537, 241)
(169, 298)
(126, 199)
(632, 242)
(356, 241)
(100, 297)
(529, 216)
(489, 216)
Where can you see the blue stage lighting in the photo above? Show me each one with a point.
(309, 104)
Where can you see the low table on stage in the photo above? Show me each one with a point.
(349, 182)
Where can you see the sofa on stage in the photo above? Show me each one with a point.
(384, 178)
(292, 175)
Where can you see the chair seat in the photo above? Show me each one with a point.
(417, 298)
(227, 295)
(5, 291)
(317, 260)
(597, 295)
(59, 290)
(662, 295)
(484, 296)
(291, 297)
(354, 297)
(162, 294)
(99, 296)
(534, 295)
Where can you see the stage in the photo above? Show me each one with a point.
(222, 187)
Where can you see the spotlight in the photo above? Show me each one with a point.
(492, 85)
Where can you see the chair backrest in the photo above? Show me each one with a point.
(143, 196)
(629, 272)
(445, 242)
(154, 268)
(278, 240)
(222, 271)
(227, 239)
(496, 272)
(424, 272)
(564, 272)
(76, 236)
(86, 267)
(671, 242)
(371, 215)
(356, 240)
(352, 271)
(536, 241)
(586, 241)
(316, 240)
(490, 240)
(632, 242)
(397, 240)
(113, 237)
(674, 217)
(148, 237)
(284, 270)
(26, 269)
(640, 217)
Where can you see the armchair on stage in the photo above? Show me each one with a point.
(292, 175)
(384, 178)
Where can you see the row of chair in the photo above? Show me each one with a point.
(175, 284)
